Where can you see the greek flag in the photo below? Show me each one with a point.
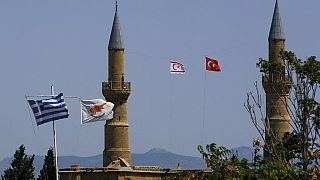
(47, 110)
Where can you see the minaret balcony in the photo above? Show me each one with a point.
(116, 85)
(277, 84)
(116, 91)
(276, 78)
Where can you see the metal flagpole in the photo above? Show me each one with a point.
(54, 128)
(55, 142)
(80, 112)
(204, 106)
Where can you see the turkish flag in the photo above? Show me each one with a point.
(212, 64)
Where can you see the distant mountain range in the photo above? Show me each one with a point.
(154, 157)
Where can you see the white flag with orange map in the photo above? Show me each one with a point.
(96, 110)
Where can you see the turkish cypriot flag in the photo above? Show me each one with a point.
(96, 110)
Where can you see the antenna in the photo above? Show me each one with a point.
(116, 5)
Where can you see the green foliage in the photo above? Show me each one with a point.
(291, 145)
(48, 171)
(307, 108)
(268, 67)
(225, 165)
(217, 160)
(279, 170)
(186, 175)
(21, 166)
(308, 70)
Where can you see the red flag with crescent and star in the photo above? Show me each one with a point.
(212, 65)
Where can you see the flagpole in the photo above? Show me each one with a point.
(53, 128)
(80, 111)
(204, 106)
(55, 142)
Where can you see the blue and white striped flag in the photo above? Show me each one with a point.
(47, 110)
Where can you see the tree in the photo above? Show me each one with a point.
(224, 164)
(301, 146)
(48, 171)
(217, 160)
(21, 166)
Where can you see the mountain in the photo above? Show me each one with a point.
(244, 152)
(166, 159)
(154, 157)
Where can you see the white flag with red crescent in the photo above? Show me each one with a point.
(176, 67)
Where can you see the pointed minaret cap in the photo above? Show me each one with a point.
(276, 30)
(116, 40)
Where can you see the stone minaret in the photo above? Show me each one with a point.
(277, 87)
(116, 90)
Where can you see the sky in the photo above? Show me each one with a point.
(64, 43)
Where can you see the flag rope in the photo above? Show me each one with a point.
(204, 107)
(39, 143)
(170, 109)
(34, 131)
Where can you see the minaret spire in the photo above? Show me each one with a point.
(276, 29)
(116, 40)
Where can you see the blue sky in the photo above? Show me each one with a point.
(65, 43)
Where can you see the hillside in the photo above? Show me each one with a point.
(154, 157)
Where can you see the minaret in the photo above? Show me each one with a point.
(277, 87)
(116, 90)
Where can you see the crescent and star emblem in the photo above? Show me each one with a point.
(176, 67)
(211, 65)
